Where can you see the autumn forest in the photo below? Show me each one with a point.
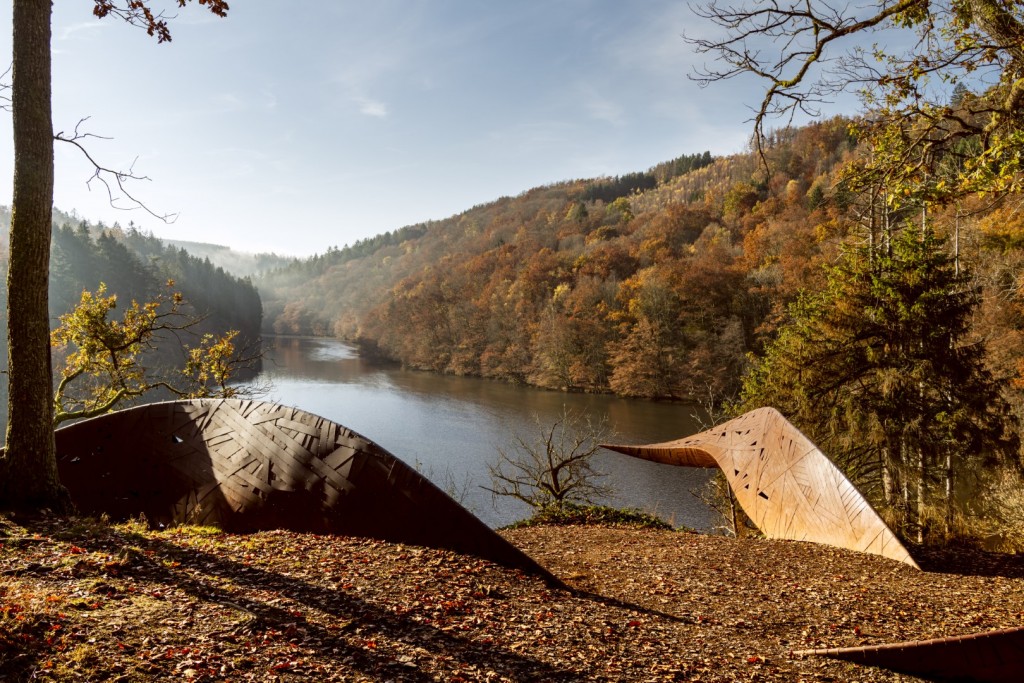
(734, 282)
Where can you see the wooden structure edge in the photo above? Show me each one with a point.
(988, 657)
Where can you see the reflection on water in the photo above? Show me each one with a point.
(449, 427)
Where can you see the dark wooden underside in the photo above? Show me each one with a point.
(993, 657)
(248, 465)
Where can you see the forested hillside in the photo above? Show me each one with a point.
(653, 284)
(657, 293)
(334, 292)
(889, 329)
(137, 266)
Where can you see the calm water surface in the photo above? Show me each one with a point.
(449, 427)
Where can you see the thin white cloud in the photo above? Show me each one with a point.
(603, 109)
(243, 101)
(655, 44)
(370, 107)
(230, 101)
(72, 30)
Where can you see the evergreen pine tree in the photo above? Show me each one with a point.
(877, 368)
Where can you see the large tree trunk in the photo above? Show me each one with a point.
(999, 23)
(29, 472)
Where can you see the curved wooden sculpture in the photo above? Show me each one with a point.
(248, 465)
(993, 657)
(787, 487)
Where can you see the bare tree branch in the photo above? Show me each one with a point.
(135, 13)
(554, 465)
(806, 51)
(780, 42)
(111, 178)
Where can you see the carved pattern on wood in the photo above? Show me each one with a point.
(992, 657)
(248, 465)
(787, 487)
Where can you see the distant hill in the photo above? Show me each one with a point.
(238, 263)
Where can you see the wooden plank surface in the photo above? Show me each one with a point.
(784, 484)
(248, 465)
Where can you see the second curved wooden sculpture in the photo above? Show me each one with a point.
(787, 487)
(249, 465)
(991, 657)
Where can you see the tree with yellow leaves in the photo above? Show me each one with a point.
(106, 361)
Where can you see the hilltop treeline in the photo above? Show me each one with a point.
(610, 189)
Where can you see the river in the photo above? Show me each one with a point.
(450, 427)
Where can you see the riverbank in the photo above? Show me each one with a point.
(86, 601)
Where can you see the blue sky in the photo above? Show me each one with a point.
(292, 126)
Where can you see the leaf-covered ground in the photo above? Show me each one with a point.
(82, 600)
